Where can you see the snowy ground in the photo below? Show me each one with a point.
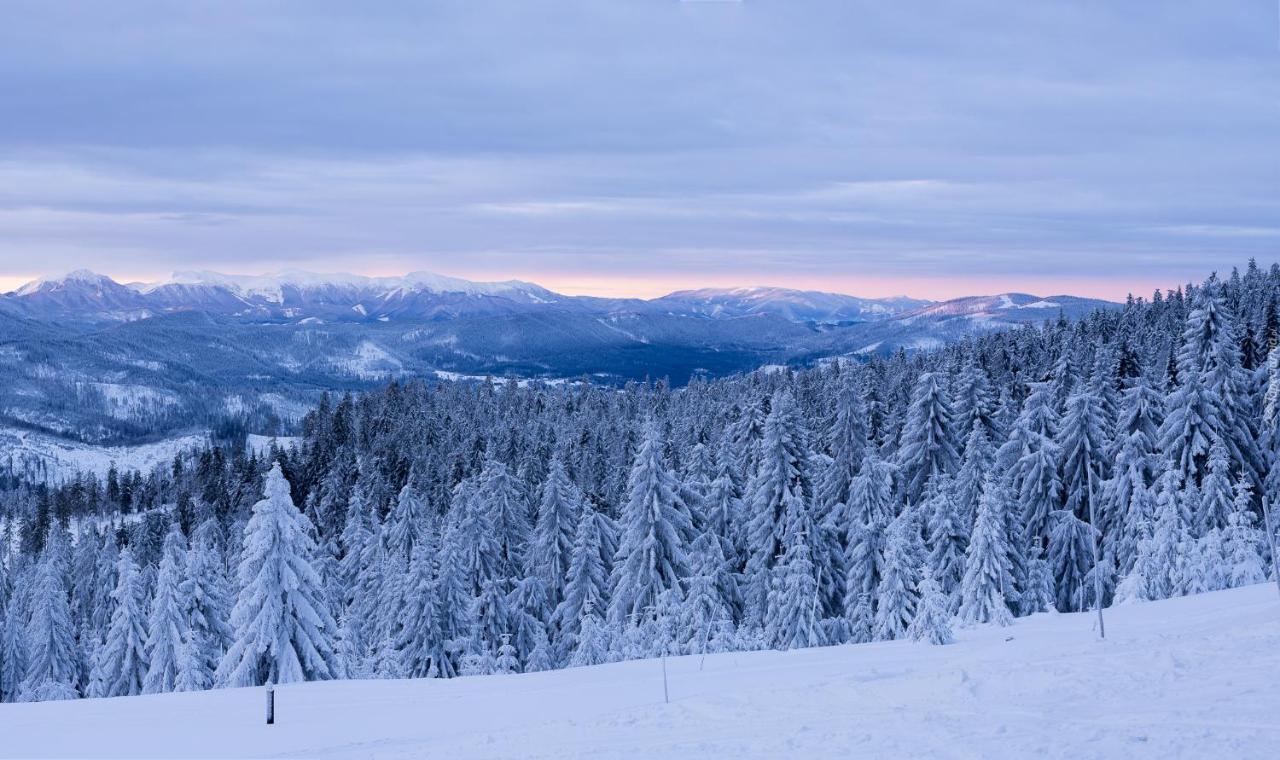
(1192, 677)
(45, 457)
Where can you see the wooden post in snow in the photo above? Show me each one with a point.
(271, 704)
(1093, 537)
(1271, 537)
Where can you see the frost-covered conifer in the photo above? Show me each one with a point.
(656, 530)
(948, 539)
(932, 622)
(193, 673)
(167, 621)
(986, 582)
(206, 597)
(1241, 541)
(586, 584)
(553, 533)
(406, 524)
(122, 660)
(50, 639)
(781, 497)
(1216, 493)
(928, 445)
(591, 645)
(283, 629)
(792, 620)
(896, 594)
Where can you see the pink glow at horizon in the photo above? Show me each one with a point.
(938, 288)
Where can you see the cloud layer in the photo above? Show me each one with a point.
(644, 145)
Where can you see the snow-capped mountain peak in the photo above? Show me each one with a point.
(80, 278)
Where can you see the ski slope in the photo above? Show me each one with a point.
(1191, 677)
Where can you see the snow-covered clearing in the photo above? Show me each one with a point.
(43, 457)
(1189, 677)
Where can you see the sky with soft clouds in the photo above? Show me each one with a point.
(638, 146)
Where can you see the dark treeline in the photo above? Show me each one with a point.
(440, 529)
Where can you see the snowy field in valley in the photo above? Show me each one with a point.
(1188, 677)
(42, 457)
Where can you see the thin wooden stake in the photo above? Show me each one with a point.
(271, 704)
(1093, 537)
(666, 697)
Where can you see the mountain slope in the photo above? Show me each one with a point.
(1191, 677)
(204, 345)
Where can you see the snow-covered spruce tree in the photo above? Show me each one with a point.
(193, 672)
(975, 465)
(167, 622)
(656, 531)
(50, 638)
(591, 644)
(847, 441)
(932, 622)
(1081, 445)
(948, 539)
(928, 446)
(975, 406)
(860, 617)
(983, 590)
(559, 507)
(357, 533)
(122, 660)
(407, 523)
(206, 596)
(896, 594)
(13, 650)
(1211, 399)
(283, 628)
(421, 629)
(1165, 563)
(1070, 558)
(706, 604)
(1241, 541)
(1037, 593)
(1126, 500)
(1216, 492)
(864, 520)
(530, 612)
(586, 584)
(506, 662)
(502, 496)
(781, 482)
(792, 619)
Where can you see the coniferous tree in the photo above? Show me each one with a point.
(792, 616)
(781, 497)
(932, 622)
(50, 639)
(1241, 541)
(207, 598)
(896, 594)
(986, 583)
(122, 660)
(553, 533)
(586, 585)
(283, 629)
(13, 652)
(928, 446)
(167, 623)
(656, 530)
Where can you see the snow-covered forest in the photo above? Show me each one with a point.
(432, 530)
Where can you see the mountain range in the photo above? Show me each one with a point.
(85, 355)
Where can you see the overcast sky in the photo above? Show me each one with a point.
(932, 148)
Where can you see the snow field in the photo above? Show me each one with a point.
(1187, 677)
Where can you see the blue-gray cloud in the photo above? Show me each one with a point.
(1125, 140)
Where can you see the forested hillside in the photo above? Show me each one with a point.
(429, 530)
